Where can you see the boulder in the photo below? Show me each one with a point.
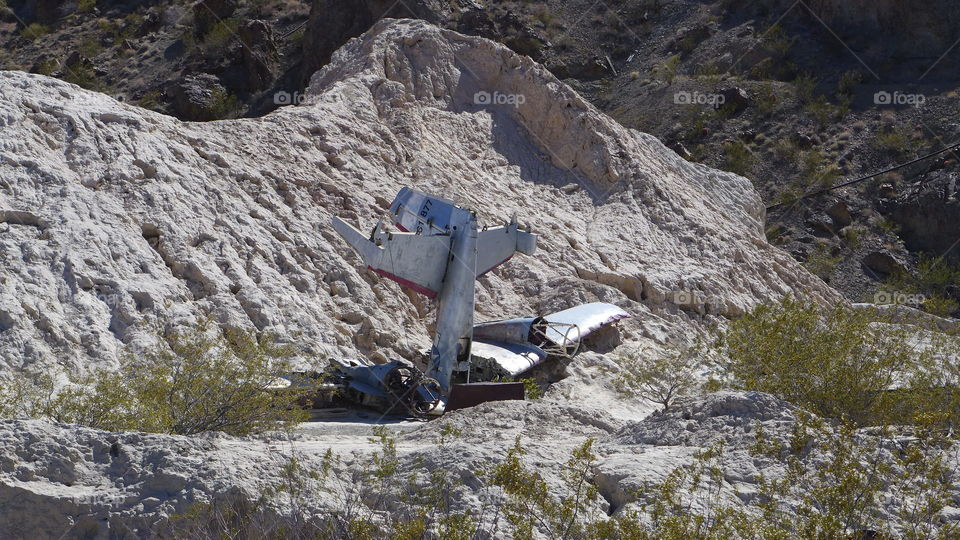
(197, 96)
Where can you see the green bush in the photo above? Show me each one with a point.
(843, 363)
(220, 36)
(201, 380)
(895, 142)
(223, 103)
(737, 158)
(849, 81)
(34, 30)
(805, 86)
(667, 70)
(821, 262)
(934, 279)
(827, 360)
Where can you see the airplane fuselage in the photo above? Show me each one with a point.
(455, 315)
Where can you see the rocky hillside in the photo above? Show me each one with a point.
(118, 220)
(813, 93)
(117, 223)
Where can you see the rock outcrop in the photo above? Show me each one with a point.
(78, 482)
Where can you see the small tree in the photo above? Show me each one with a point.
(660, 377)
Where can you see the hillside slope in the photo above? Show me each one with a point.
(118, 220)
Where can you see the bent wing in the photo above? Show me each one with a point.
(514, 358)
(587, 317)
(496, 245)
(414, 261)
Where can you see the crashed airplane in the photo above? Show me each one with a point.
(439, 252)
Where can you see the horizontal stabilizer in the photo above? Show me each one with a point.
(414, 261)
(496, 245)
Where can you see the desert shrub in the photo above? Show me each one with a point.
(34, 30)
(47, 66)
(849, 81)
(667, 70)
(90, 47)
(821, 110)
(829, 481)
(82, 75)
(777, 43)
(821, 262)
(817, 170)
(845, 364)
(895, 142)
(26, 395)
(766, 99)
(737, 158)
(830, 361)
(84, 6)
(530, 506)
(220, 36)
(660, 377)
(200, 380)
(531, 389)
(805, 86)
(935, 278)
(223, 103)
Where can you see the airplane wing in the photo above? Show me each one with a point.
(513, 358)
(414, 261)
(587, 317)
(496, 245)
(416, 212)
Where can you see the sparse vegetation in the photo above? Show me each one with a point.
(848, 82)
(660, 378)
(81, 74)
(817, 170)
(34, 30)
(737, 158)
(202, 380)
(934, 280)
(840, 364)
(667, 70)
(822, 262)
(220, 36)
(223, 103)
(833, 482)
(805, 86)
(894, 141)
(821, 110)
